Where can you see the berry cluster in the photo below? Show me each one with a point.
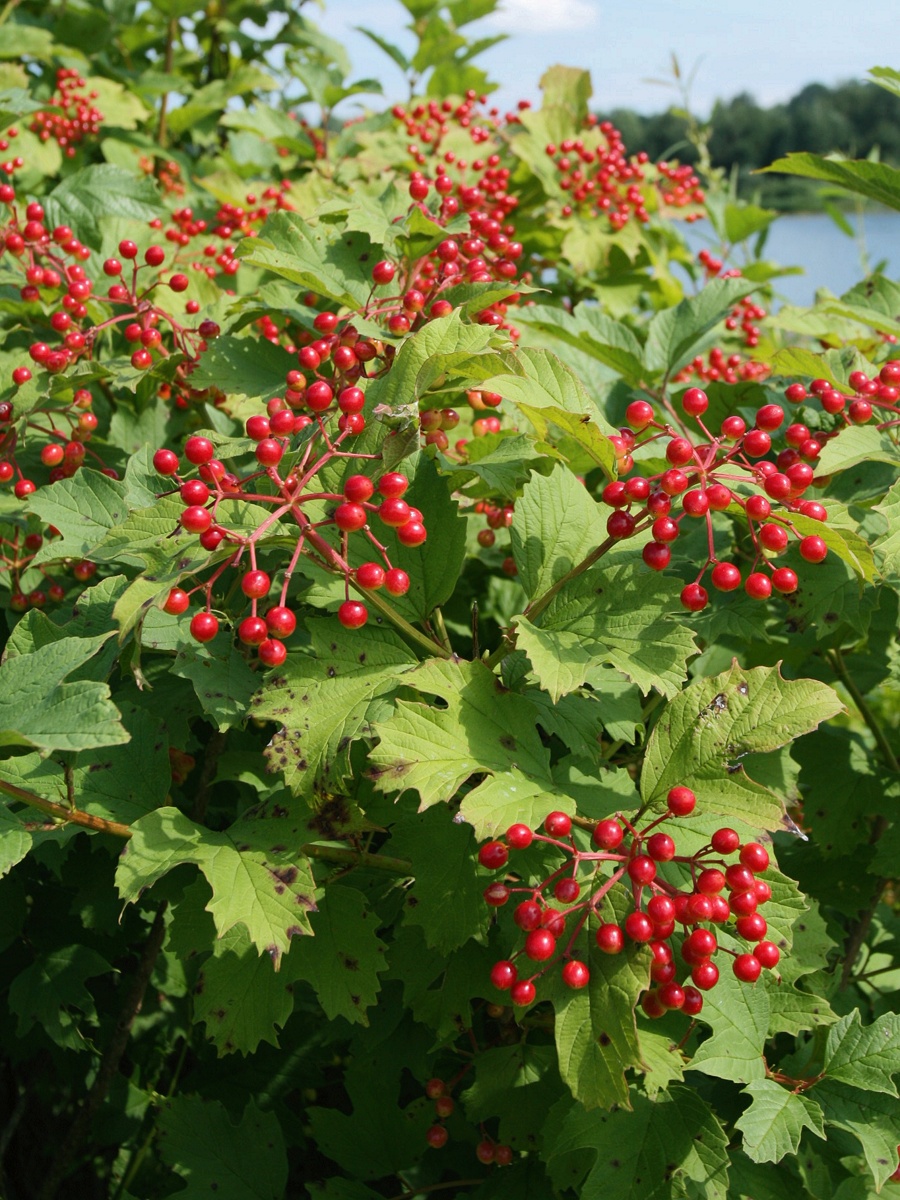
(858, 408)
(487, 1151)
(727, 471)
(72, 115)
(667, 890)
(309, 447)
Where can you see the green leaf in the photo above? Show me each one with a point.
(84, 509)
(481, 728)
(857, 444)
(446, 899)
(874, 180)
(540, 380)
(580, 429)
(376, 1138)
(595, 1030)
(591, 331)
(244, 366)
(738, 1014)
(714, 723)
(887, 546)
(668, 1147)
(85, 199)
(744, 220)
(256, 879)
(45, 993)
(243, 1161)
(39, 708)
(324, 700)
(343, 959)
(15, 837)
(222, 679)
(623, 616)
(873, 1118)
(673, 333)
(773, 1124)
(322, 258)
(440, 992)
(864, 1056)
(557, 525)
(240, 998)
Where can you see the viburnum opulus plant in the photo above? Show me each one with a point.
(449, 686)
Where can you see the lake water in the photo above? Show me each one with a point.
(829, 257)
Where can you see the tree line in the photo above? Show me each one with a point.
(853, 118)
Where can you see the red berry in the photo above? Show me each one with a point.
(196, 519)
(370, 575)
(352, 614)
(281, 620)
(198, 450)
(725, 577)
(269, 452)
(694, 597)
(527, 915)
(693, 1002)
(503, 975)
(671, 995)
(813, 549)
(493, 855)
(784, 580)
(575, 974)
(752, 928)
(660, 847)
(639, 927)
(396, 582)
(694, 402)
(558, 824)
(519, 836)
(680, 801)
(392, 485)
(747, 968)
(204, 627)
(252, 631)
(522, 993)
(540, 945)
(177, 602)
(754, 856)
(660, 910)
(383, 272)
(165, 462)
(758, 586)
(610, 939)
(436, 1137)
(767, 954)
(413, 533)
(608, 834)
(350, 517)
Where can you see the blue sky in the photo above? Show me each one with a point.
(770, 48)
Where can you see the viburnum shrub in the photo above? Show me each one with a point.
(449, 708)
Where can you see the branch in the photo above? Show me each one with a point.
(65, 815)
(357, 858)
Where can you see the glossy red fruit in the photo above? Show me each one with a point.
(754, 856)
(253, 631)
(694, 597)
(198, 450)
(747, 968)
(280, 620)
(558, 824)
(639, 927)
(503, 975)
(358, 488)
(540, 944)
(204, 627)
(705, 975)
(370, 576)
(396, 581)
(493, 855)
(522, 993)
(785, 580)
(813, 549)
(195, 519)
(575, 974)
(767, 954)
(610, 939)
(694, 402)
(680, 801)
(437, 1137)
(413, 533)
(177, 602)
(519, 836)
(758, 586)
(352, 614)
(255, 584)
(165, 462)
(608, 834)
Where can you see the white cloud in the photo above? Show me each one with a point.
(545, 16)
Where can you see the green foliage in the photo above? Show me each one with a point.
(267, 718)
